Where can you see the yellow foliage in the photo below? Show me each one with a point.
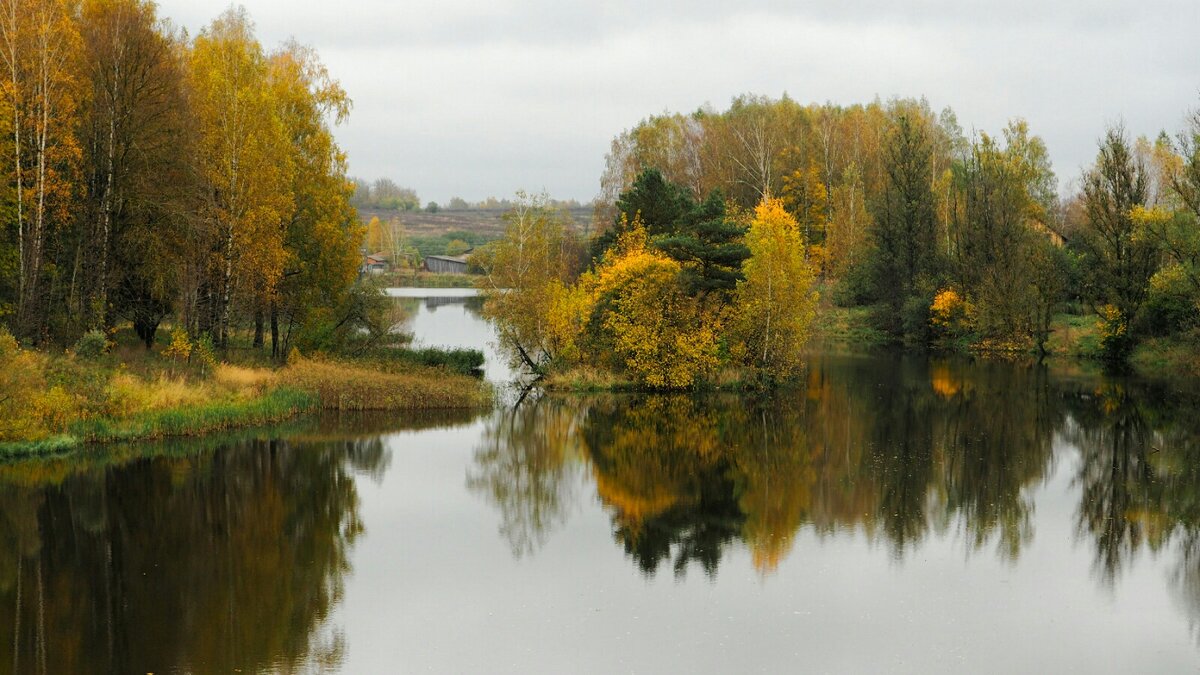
(950, 313)
(775, 302)
(1112, 324)
(660, 335)
(181, 346)
(56, 408)
(569, 307)
(21, 378)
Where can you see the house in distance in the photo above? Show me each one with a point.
(445, 264)
(376, 263)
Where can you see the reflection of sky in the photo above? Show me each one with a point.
(436, 588)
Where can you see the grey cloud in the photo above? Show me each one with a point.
(480, 99)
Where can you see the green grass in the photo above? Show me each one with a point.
(274, 406)
(847, 325)
(422, 279)
(460, 361)
(1075, 335)
(1174, 356)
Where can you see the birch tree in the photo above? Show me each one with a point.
(39, 49)
(244, 164)
(775, 303)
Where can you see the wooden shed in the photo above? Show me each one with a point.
(444, 264)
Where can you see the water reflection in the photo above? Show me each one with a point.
(896, 452)
(221, 556)
(851, 495)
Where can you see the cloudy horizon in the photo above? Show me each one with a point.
(483, 99)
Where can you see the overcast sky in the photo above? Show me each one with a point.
(477, 99)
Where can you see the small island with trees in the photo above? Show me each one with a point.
(732, 237)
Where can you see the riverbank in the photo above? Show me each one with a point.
(423, 279)
(1072, 337)
(58, 402)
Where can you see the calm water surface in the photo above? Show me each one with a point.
(896, 514)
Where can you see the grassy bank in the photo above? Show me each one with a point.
(1072, 337)
(55, 402)
(847, 326)
(428, 280)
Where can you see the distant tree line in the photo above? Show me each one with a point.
(383, 194)
(948, 237)
(147, 174)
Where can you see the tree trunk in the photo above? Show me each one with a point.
(274, 330)
(258, 327)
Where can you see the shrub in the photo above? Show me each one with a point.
(914, 318)
(9, 347)
(1169, 307)
(205, 352)
(181, 346)
(22, 377)
(92, 345)
(1116, 341)
(462, 361)
(949, 315)
(56, 408)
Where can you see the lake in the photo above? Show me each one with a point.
(896, 513)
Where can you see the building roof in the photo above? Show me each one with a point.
(456, 258)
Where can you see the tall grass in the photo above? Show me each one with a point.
(347, 386)
(51, 403)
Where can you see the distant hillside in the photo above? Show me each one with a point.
(485, 223)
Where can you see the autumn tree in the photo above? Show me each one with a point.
(138, 183)
(849, 225)
(526, 277)
(320, 233)
(906, 258)
(637, 309)
(244, 163)
(807, 199)
(1175, 223)
(1000, 228)
(39, 50)
(775, 302)
(1118, 261)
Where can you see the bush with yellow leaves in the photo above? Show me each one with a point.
(636, 308)
(950, 315)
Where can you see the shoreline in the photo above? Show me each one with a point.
(159, 405)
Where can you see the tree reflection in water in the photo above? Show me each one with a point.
(1139, 480)
(895, 451)
(523, 465)
(222, 559)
